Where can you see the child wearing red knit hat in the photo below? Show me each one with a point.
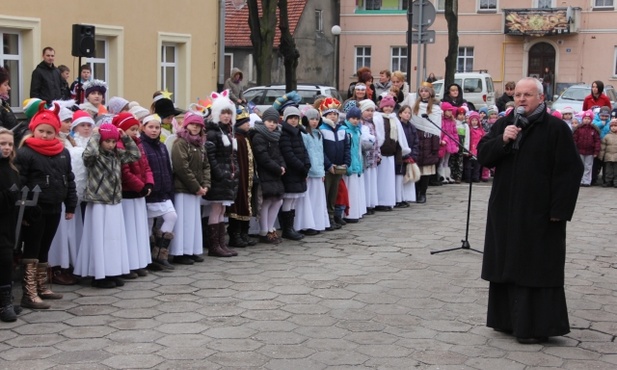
(137, 183)
(103, 252)
(43, 153)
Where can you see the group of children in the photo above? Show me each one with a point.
(126, 188)
(595, 136)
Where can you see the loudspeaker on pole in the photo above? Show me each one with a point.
(83, 41)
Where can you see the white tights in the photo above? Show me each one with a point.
(169, 221)
(268, 213)
(289, 204)
(217, 213)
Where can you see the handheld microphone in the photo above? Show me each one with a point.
(517, 116)
(519, 121)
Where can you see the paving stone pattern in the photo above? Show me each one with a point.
(369, 296)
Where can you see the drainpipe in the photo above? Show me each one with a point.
(221, 51)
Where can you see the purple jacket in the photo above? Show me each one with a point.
(158, 158)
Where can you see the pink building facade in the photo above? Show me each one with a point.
(575, 39)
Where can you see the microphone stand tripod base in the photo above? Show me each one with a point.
(465, 245)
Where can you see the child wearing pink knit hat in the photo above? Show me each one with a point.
(103, 251)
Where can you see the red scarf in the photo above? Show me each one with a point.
(45, 147)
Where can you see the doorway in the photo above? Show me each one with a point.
(542, 56)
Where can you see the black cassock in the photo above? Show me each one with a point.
(524, 252)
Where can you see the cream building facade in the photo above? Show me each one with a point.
(510, 39)
(141, 45)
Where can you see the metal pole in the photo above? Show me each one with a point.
(336, 62)
(409, 43)
(221, 66)
(424, 74)
(419, 63)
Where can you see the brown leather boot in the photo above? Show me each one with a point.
(223, 242)
(44, 283)
(214, 247)
(30, 297)
(163, 257)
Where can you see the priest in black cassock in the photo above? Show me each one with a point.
(537, 176)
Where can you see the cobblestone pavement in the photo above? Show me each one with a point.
(368, 296)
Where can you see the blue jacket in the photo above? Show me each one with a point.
(335, 144)
(603, 126)
(314, 146)
(357, 166)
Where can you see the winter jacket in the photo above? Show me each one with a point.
(448, 125)
(502, 101)
(137, 176)
(104, 183)
(355, 132)
(602, 125)
(8, 211)
(314, 146)
(591, 102)
(587, 139)
(540, 181)
(9, 121)
(46, 83)
(428, 149)
(269, 161)
(52, 174)
(382, 88)
(608, 153)
(223, 163)
(411, 134)
(160, 164)
(297, 161)
(335, 144)
(476, 134)
(191, 167)
(235, 89)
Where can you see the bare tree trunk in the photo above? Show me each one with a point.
(262, 37)
(451, 14)
(288, 48)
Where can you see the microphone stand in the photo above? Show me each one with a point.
(465, 242)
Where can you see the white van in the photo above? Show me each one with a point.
(477, 88)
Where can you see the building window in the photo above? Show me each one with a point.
(615, 63)
(382, 4)
(318, 20)
(10, 58)
(464, 62)
(544, 4)
(487, 5)
(174, 63)
(440, 5)
(372, 4)
(603, 3)
(169, 68)
(100, 61)
(363, 57)
(398, 59)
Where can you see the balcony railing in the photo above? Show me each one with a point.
(541, 22)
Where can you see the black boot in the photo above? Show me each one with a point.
(233, 229)
(7, 311)
(244, 233)
(286, 219)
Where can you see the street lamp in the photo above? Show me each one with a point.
(336, 31)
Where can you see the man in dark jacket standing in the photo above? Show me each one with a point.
(537, 177)
(508, 96)
(46, 81)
